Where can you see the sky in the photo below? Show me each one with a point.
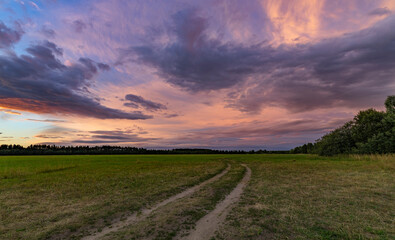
(221, 74)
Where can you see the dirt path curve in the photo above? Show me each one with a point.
(206, 226)
(145, 212)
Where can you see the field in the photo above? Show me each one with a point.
(130, 197)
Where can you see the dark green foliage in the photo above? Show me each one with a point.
(384, 140)
(366, 125)
(390, 104)
(370, 131)
(338, 141)
(305, 148)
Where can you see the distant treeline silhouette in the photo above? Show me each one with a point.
(370, 132)
(81, 150)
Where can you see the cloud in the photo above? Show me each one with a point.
(352, 70)
(173, 115)
(103, 66)
(9, 36)
(47, 32)
(47, 136)
(10, 111)
(72, 137)
(46, 120)
(138, 101)
(40, 83)
(260, 129)
(78, 26)
(380, 11)
(104, 137)
(194, 61)
(255, 133)
(35, 5)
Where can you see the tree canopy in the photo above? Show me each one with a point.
(370, 131)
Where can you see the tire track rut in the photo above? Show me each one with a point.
(145, 212)
(206, 226)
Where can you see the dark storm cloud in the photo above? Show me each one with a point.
(40, 83)
(79, 26)
(353, 70)
(9, 36)
(47, 32)
(46, 52)
(380, 11)
(138, 101)
(196, 62)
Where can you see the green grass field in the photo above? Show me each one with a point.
(288, 196)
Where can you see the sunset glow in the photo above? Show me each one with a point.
(259, 74)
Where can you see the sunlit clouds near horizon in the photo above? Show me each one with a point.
(268, 74)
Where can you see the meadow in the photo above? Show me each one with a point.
(288, 196)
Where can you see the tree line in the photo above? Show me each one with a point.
(370, 132)
(96, 150)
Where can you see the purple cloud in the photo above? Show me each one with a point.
(9, 36)
(380, 11)
(105, 137)
(40, 83)
(197, 63)
(353, 70)
(79, 26)
(46, 120)
(48, 32)
(138, 101)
